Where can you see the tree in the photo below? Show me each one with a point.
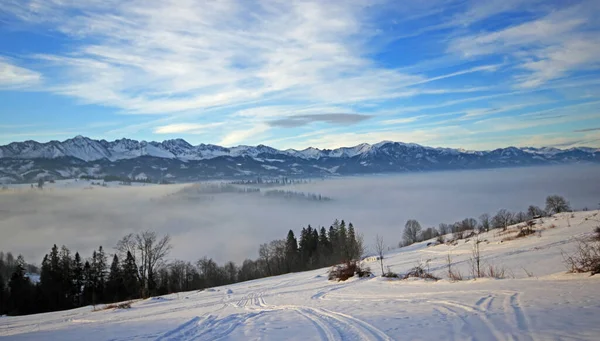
(78, 279)
(484, 222)
(130, 277)
(557, 204)
(411, 231)
(148, 252)
(291, 251)
(115, 289)
(40, 183)
(21, 291)
(534, 211)
(379, 249)
(3, 296)
(502, 219)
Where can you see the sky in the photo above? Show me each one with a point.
(293, 74)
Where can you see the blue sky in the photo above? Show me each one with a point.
(293, 74)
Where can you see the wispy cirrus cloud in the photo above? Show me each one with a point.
(333, 118)
(16, 77)
(235, 71)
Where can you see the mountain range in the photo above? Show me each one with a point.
(177, 160)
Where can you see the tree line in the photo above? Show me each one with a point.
(139, 269)
(413, 232)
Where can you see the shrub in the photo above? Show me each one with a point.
(419, 272)
(122, 305)
(342, 272)
(495, 272)
(525, 232)
(597, 233)
(440, 239)
(586, 257)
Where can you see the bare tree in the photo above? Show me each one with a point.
(411, 231)
(475, 260)
(148, 252)
(484, 222)
(557, 204)
(379, 248)
(535, 212)
(264, 252)
(502, 219)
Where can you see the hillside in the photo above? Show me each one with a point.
(177, 160)
(537, 300)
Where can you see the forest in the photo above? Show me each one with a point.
(139, 269)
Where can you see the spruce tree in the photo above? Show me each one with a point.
(352, 244)
(291, 251)
(21, 291)
(78, 280)
(3, 295)
(67, 287)
(130, 277)
(342, 241)
(114, 284)
(100, 273)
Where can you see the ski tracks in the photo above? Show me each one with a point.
(330, 325)
(480, 321)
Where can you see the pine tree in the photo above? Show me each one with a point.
(99, 264)
(78, 280)
(66, 287)
(291, 251)
(89, 280)
(21, 290)
(130, 277)
(342, 240)
(352, 244)
(114, 285)
(3, 296)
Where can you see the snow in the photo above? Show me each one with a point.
(551, 305)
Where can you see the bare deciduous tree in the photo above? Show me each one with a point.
(411, 231)
(557, 204)
(502, 219)
(484, 222)
(148, 252)
(379, 249)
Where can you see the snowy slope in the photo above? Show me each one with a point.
(551, 305)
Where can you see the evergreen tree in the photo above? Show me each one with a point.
(3, 295)
(342, 242)
(78, 280)
(130, 277)
(21, 291)
(66, 286)
(291, 251)
(89, 280)
(99, 264)
(352, 243)
(324, 247)
(114, 285)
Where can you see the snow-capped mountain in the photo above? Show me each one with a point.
(178, 160)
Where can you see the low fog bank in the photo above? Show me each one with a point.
(231, 226)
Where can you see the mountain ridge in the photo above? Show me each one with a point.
(178, 160)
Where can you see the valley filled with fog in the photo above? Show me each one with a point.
(229, 222)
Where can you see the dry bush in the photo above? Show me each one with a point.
(122, 305)
(586, 257)
(597, 233)
(529, 273)
(363, 272)
(524, 233)
(497, 272)
(419, 272)
(342, 272)
(440, 239)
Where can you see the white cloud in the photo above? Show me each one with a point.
(241, 135)
(189, 128)
(13, 76)
(553, 46)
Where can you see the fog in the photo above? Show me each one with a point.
(231, 226)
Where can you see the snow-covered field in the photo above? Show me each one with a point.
(537, 301)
